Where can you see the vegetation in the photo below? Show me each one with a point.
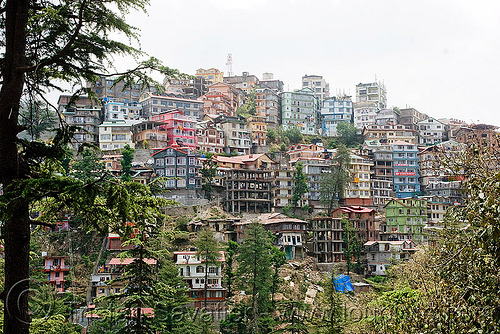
(208, 172)
(207, 249)
(127, 157)
(300, 185)
(333, 184)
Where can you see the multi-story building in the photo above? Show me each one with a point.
(107, 89)
(389, 134)
(236, 133)
(209, 137)
(115, 135)
(372, 92)
(283, 189)
(314, 169)
(410, 117)
(380, 255)
(179, 127)
(335, 110)
(387, 117)
(150, 134)
(246, 82)
(115, 110)
(274, 84)
(361, 218)
(258, 133)
(365, 114)
(83, 113)
(405, 166)
(56, 270)
(437, 206)
(482, 135)
(431, 131)
(193, 88)
(405, 219)
(306, 151)
(247, 180)
(179, 165)
(382, 177)
(222, 99)
(300, 109)
(358, 191)
(320, 87)
(327, 239)
(290, 233)
(267, 103)
(192, 270)
(211, 75)
(157, 104)
(452, 126)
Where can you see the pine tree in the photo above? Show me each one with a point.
(300, 186)
(127, 157)
(229, 274)
(334, 183)
(208, 251)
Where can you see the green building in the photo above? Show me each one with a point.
(405, 219)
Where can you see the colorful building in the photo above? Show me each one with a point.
(222, 99)
(405, 166)
(179, 165)
(335, 110)
(179, 127)
(405, 219)
(56, 270)
(300, 109)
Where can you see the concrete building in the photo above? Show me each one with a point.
(222, 99)
(319, 86)
(268, 81)
(365, 114)
(116, 134)
(358, 191)
(236, 134)
(106, 88)
(382, 176)
(209, 138)
(410, 117)
(179, 165)
(405, 166)
(246, 81)
(84, 113)
(211, 75)
(56, 270)
(484, 136)
(152, 134)
(389, 134)
(327, 239)
(114, 110)
(431, 132)
(179, 127)
(372, 92)
(361, 218)
(192, 88)
(405, 220)
(157, 104)
(192, 270)
(380, 255)
(335, 110)
(300, 109)
(283, 188)
(387, 117)
(267, 103)
(258, 133)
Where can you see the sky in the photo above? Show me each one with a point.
(441, 57)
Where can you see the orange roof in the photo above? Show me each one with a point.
(128, 261)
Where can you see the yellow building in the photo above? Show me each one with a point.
(212, 75)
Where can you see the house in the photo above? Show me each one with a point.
(382, 254)
(102, 283)
(179, 127)
(405, 219)
(56, 270)
(327, 239)
(209, 138)
(223, 228)
(179, 164)
(361, 218)
(192, 269)
(290, 233)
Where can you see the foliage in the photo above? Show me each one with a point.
(352, 246)
(249, 107)
(208, 172)
(88, 168)
(333, 184)
(207, 249)
(37, 118)
(300, 186)
(53, 324)
(294, 135)
(347, 134)
(127, 157)
(271, 135)
(329, 312)
(254, 272)
(278, 259)
(292, 316)
(229, 273)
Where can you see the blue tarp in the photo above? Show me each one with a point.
(342, 283)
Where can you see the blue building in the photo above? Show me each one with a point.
(405, 169)
(335, 110)
(300, 109)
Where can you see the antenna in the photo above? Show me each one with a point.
(229, 64)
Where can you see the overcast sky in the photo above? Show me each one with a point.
(440, 57)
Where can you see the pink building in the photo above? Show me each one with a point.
(180, 128)
(56, 269)
(222, 99)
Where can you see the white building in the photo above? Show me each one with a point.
(381, 254)
(365, 114)
(300, 109)
(114, 110)
(114, 135)
(431, 131)
(320, 87)
(192, 270)
(335, 110)
(372, 92)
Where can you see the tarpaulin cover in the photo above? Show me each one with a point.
(342, 283)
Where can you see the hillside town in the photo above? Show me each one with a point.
(240, 149)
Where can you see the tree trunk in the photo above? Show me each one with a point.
(16, 231)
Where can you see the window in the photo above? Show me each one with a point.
(181, 171)
(181, 161)
(200, 270)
